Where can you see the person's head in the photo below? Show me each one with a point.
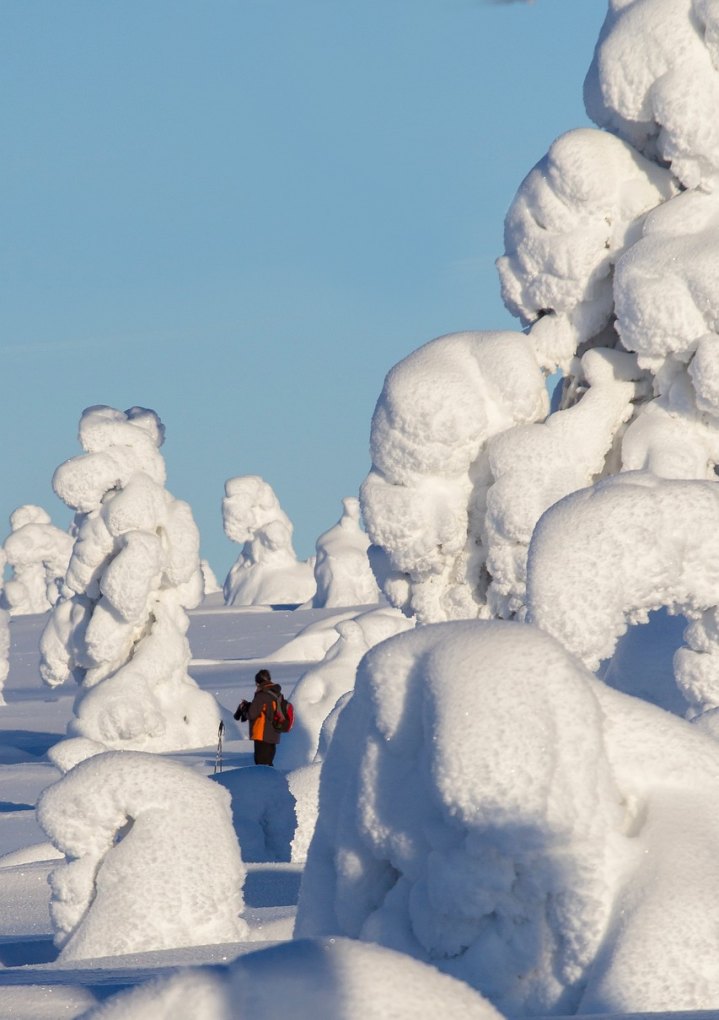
(263, 677)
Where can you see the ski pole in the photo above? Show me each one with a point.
(218, 756)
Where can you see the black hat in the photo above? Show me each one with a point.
(263, 677)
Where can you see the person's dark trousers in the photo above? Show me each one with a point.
(264, 752)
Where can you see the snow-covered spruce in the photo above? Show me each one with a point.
(152, 861)
(487, 805)
(38, 554)
(120, 628)
(267, 571)
(342, 570)
(573, 216)
(424, 499)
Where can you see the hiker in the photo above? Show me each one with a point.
(258, 713)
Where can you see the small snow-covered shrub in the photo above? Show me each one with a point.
(322, 978)
(120, 628)
(342, 570)
(38, 554)
(267, 572)
(152, 861)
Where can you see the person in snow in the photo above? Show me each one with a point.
(259, 713)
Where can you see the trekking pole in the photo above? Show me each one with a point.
(218, 756)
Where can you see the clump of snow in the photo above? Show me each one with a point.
(488, 806)
(654, 81)
(629, 545)
(423, 500)
(263, 811)
(342, 570)
(38, 554)
(120, 628)
(267, 572)
(152, 861)
(571, 219)
(320, 687)
(320, 978)
(66, 754)
(313, 642)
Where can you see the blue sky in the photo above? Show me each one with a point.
(242, 214)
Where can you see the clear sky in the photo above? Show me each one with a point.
(242, 213)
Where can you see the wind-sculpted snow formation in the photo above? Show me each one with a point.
(120, 627)
(38, 554)
(152, 861)
(611, 265)
(525, 852)
(342, 570)
(267, 572)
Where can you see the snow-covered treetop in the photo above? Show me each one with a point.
(267, 572)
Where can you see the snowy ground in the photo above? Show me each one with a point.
(228, 647)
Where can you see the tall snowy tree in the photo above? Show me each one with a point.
(120, 628)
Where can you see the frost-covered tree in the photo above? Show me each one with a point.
(120, 627)
(610, 265)
(267, 571)
(38, 554)
(342, 570)
(4, 634)
(556, 858)
(555, 852)
(152, 861)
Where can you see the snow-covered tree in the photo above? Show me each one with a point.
(152, 861)
(38, 554)
(267, 571)
(4, 634)
(120, 628)
(610, 265)
(486, 802)
(489, 806)
(342, 570)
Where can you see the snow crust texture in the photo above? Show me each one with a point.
(152, 861)
(267, 571)
(119, 628)
(488, 806)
